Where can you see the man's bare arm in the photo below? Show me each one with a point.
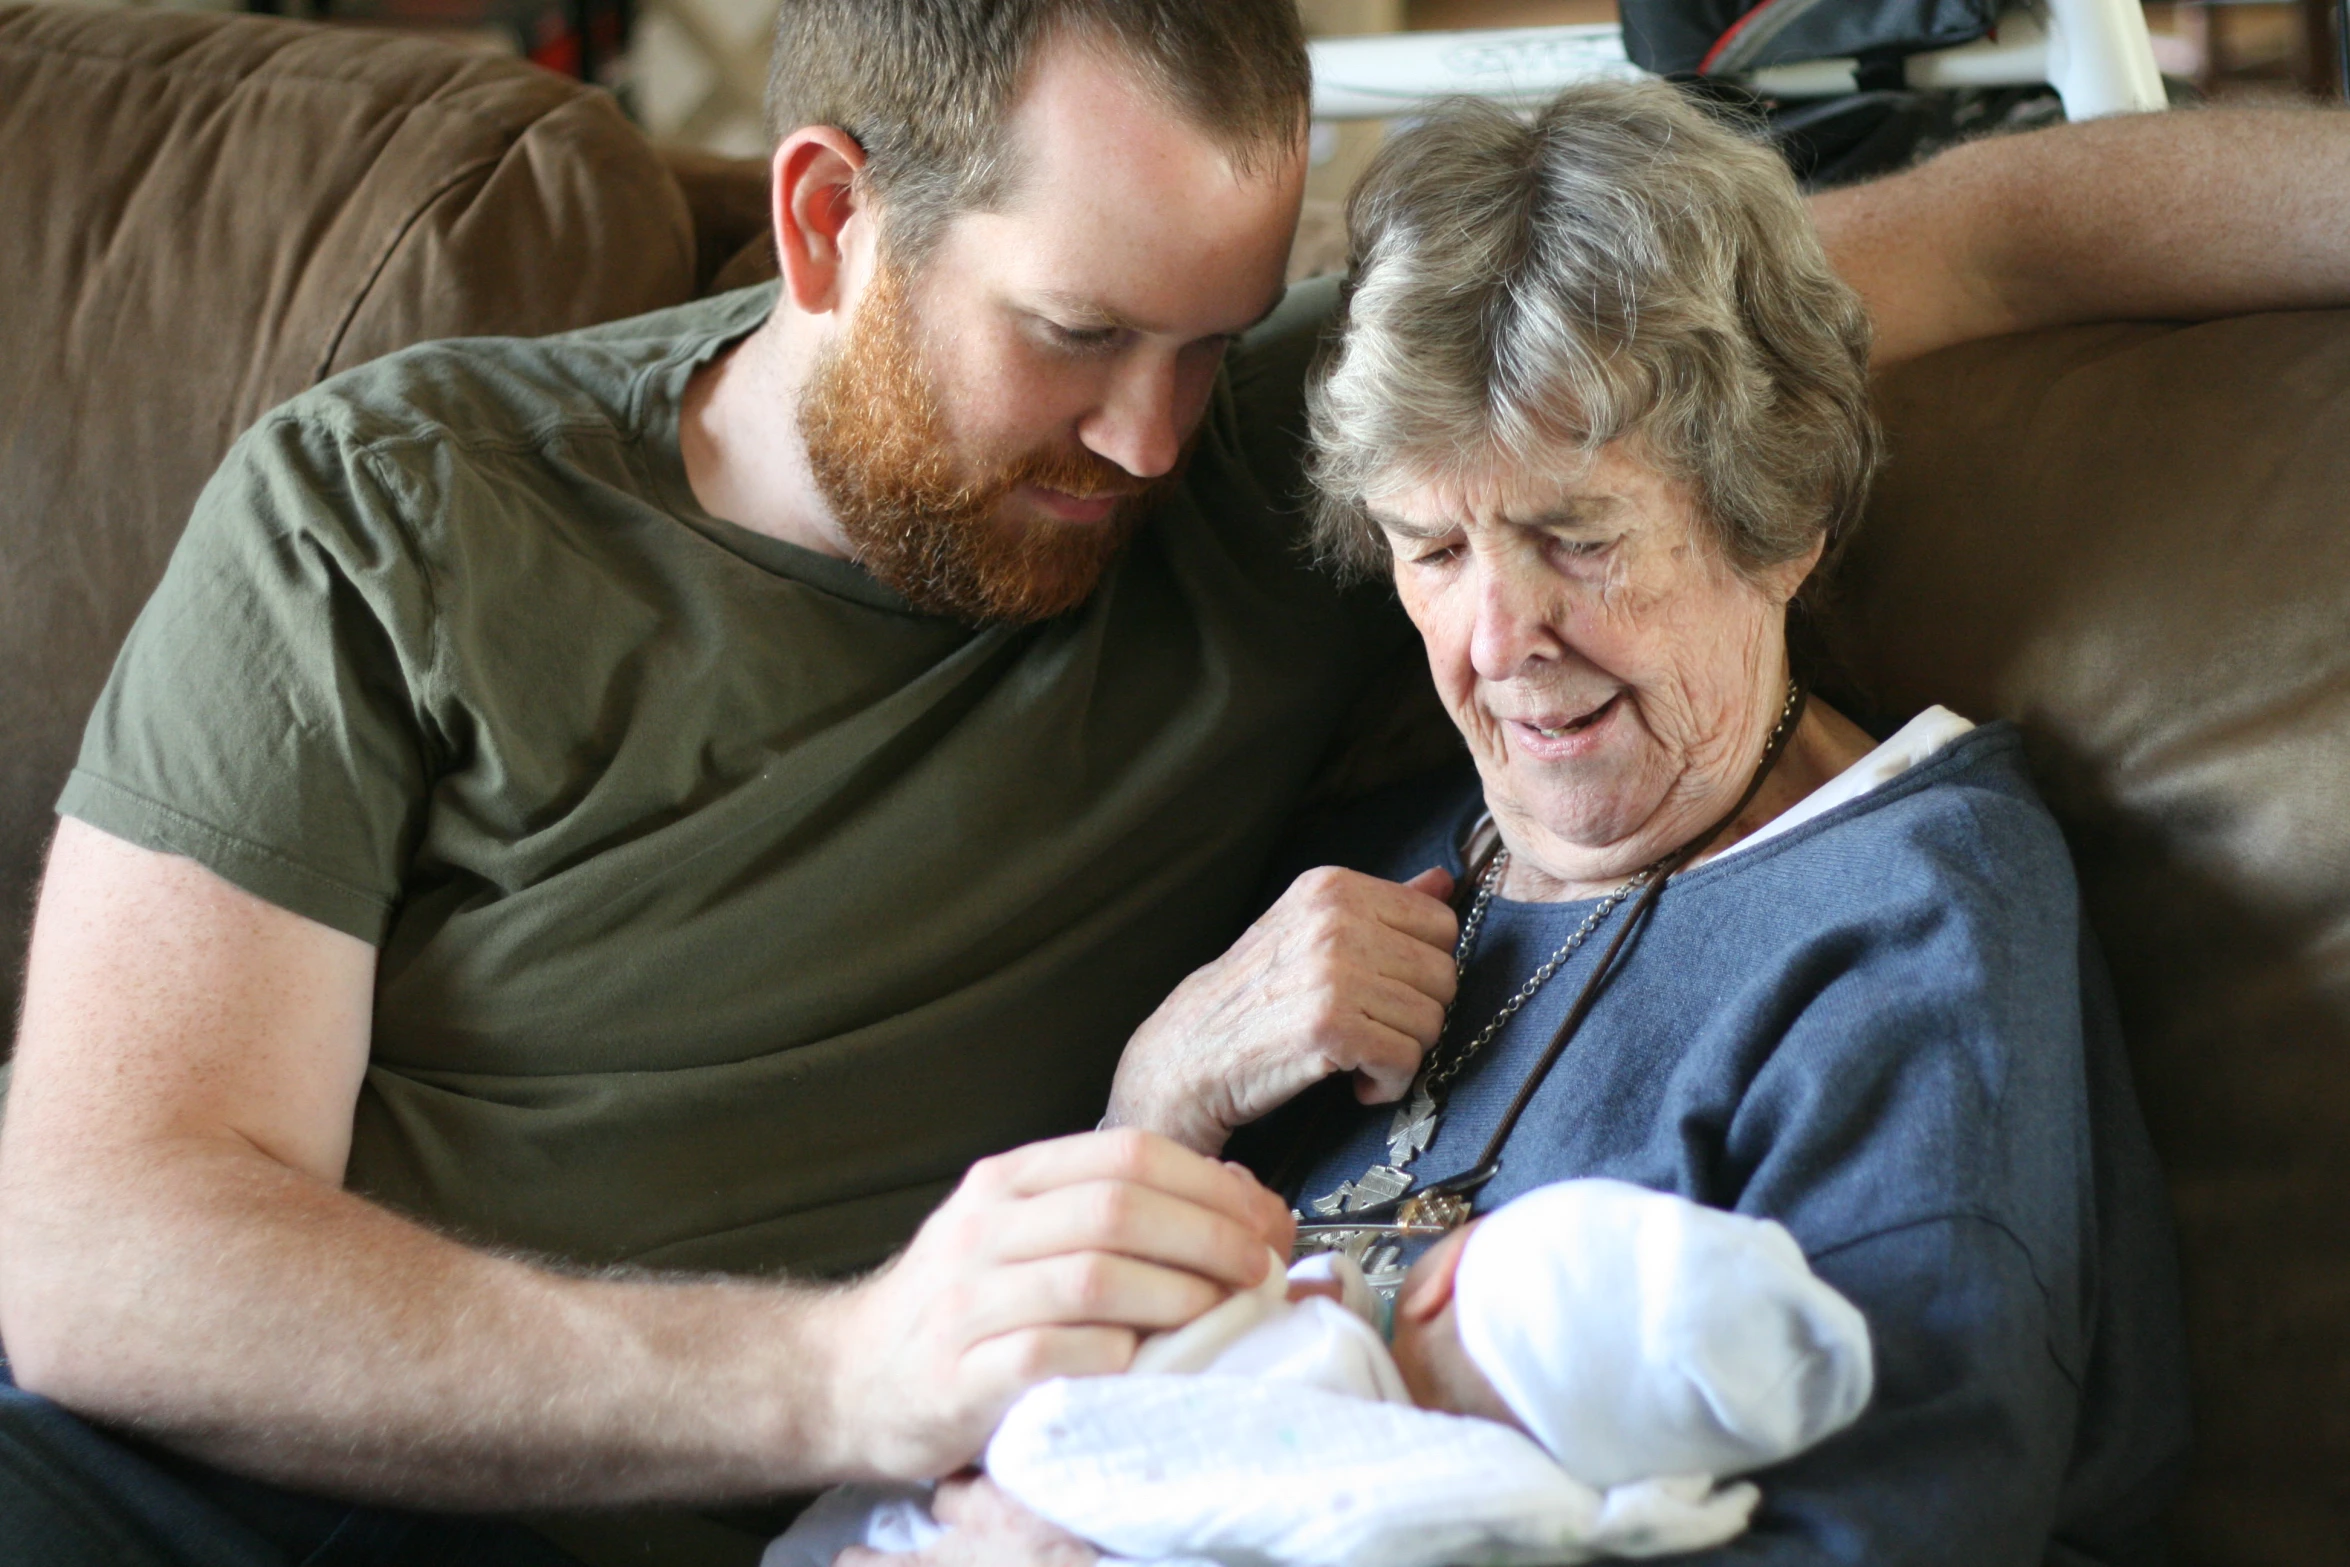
(177, 1253)
(2178, 216)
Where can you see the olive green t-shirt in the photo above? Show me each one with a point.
(728, 908)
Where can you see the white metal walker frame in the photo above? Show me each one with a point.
(2097, 54)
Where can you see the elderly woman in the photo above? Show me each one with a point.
(1601, 410)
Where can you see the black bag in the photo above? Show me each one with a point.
(1727, 37)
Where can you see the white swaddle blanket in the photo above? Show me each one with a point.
(1664, 1344)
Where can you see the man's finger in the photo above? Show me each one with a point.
(1142, 1158)
(1085, 1289)
(1136, 1221)
(1004, 1367)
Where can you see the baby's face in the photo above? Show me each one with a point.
(1427, 1342)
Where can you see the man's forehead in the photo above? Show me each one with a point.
(1085, 99)
(1124, 210)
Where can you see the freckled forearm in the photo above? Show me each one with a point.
(2186, 215)
(258, 1319)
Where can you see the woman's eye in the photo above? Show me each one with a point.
(1432, 554)
(1582, 549)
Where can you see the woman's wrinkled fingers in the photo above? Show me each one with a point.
(987, 1528)
(1345, 973)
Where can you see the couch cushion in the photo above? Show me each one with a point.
(728, 198)
(200, 216)
(2136, 542)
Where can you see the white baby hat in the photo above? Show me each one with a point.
(1701, 1340)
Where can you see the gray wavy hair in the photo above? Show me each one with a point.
(1623, 267)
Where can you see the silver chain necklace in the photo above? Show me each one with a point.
(1414, 1123)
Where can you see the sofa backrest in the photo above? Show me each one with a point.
(2135, 541)
(199, 217)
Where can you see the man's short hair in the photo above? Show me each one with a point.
(925, 86)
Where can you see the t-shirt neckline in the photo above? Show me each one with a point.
(660, 404)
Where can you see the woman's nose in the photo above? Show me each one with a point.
(1513, 628)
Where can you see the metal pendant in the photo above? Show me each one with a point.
(1413, 1127)
(1443, 1211)
(1374, 1250)
(1380, 1183)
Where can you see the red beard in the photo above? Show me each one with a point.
(918, 519)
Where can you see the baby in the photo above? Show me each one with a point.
(1568, 1377)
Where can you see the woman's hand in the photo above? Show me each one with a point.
(985, 1528)
(1347, 973)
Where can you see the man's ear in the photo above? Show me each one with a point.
(1428, 1288)
(813, 197)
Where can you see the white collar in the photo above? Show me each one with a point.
(1913, 743)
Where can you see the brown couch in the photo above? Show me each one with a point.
(2133, 540)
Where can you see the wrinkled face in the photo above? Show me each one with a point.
(988, 429)
(1615, 678)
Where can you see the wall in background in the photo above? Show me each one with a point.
(693, 71)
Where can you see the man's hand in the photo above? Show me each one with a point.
(1347, 973)
(177, 1253)
(1050, 1260)
(986, 1528)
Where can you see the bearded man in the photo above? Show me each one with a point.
(595, 836)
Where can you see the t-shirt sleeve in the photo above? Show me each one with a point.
(265, 716)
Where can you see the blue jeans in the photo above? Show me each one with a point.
(74, 1495)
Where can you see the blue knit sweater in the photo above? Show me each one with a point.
(1888, 1030)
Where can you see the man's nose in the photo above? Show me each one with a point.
(1141, 422)
(1513, 630)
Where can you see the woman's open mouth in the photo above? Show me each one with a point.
(1564, 736)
